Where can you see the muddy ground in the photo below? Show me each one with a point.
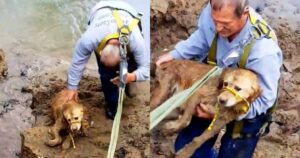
(25, 94)
(175, 20)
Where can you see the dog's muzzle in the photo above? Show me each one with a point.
(238, 97)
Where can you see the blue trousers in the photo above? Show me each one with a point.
(111, 91)
(230, 148)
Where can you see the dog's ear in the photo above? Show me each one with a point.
(220, 85)
(86, 115)
(256, 93)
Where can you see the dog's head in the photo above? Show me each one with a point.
(238, 86)
(74, 115)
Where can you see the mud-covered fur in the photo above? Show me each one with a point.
(70, 116)
(246, 85)
(3, 65)
(176, 76)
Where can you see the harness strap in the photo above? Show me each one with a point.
(244, 57)
(122, 29)
(211, 59)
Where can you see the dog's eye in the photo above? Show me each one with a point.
(76, 118)
(237, 88)
(225, 84)
(69, 120)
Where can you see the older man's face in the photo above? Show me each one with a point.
(227, 23)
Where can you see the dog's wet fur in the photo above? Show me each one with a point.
(177, 75)
(70, 116)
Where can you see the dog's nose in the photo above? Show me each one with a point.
(222, 100)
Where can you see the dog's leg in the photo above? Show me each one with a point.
(174, 126)
(221, 121)
(54, 131)
(67, 143)
(85, 125)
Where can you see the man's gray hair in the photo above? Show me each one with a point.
(111, 49)
(240, 5)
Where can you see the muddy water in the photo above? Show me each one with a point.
(38, 37)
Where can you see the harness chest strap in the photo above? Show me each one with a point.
(261, 29)
(122, 29)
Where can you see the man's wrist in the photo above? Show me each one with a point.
(72, 87)
(131, 77)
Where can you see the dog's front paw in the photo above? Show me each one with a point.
(54, 142)
(66, 144)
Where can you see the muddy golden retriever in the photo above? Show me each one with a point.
(70, 116)
(240, 88)
(231, 90)
(178, 75)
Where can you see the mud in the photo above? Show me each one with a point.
(172, 22)
(32, 81)
(3, 65)
(133, 139)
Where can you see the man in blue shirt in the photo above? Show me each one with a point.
(101, 37)
(230, 26)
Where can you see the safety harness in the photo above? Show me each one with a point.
(123, 30)
(123, 35)
(260, 30)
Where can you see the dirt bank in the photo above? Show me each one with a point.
(24, 111)
(175, 20)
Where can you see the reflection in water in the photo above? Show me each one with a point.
(48, 26)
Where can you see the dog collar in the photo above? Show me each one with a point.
(238, 97)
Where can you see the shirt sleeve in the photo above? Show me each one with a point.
(82, 53)
(267, 69)
(141, 55)
(196, 46)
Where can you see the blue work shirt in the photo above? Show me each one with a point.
(101, 24)
(265, 57)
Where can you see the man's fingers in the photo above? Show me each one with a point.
(202, 113)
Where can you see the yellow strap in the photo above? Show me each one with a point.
(245, 55)
(133, 24)
(122, 28)
(211, 125)
(105, 40)
(262, 28)
(119, 21)
(262, 25)
(72, 140)
(239, 97)
(237, 128)
(211, 58)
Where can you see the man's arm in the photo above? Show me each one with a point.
(81, 56)
(141, 55)
(267, 69)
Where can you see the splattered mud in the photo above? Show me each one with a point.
(25, 99)
(175, 20)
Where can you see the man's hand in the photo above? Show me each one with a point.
(71, 95)
(164, 58)
(202, 112)
(130, 77)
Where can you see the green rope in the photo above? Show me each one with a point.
(116, 125)
(178, 99)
